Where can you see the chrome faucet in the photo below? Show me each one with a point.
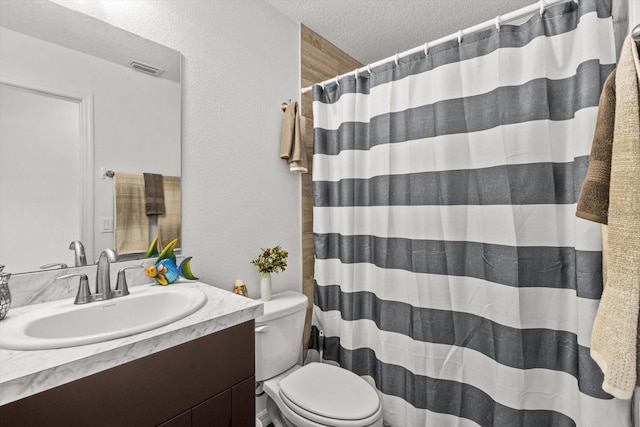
(78, 250)
(103, 276)
(103, 280)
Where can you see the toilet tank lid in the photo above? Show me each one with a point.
(282, 304)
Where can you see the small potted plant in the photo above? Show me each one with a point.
(271, 260)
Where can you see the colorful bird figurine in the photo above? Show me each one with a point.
(166, 271)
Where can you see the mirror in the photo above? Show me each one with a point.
(74, 106)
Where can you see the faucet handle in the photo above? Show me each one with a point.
(60, 265)
(84, 293)
(121, 285)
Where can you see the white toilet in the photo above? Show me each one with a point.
(314, 395)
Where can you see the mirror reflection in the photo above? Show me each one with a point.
(79, 97)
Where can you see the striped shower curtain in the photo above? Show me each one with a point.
(451, 271)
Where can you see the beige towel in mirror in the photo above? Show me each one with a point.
(132, 224)
(170, 224)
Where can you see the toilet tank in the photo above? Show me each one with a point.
(279, 334)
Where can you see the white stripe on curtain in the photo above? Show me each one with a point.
(451, 271)
(404, 411)
(546, 225)
(482, 149)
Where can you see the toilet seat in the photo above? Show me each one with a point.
(330, 396)
(303, 418)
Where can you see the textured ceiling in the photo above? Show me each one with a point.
(371, 30)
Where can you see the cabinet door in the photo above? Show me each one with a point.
(182, 420)
(243, 403)
(213, 412)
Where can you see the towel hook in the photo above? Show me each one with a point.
(498, 23)
(541, 7)
(460, 34)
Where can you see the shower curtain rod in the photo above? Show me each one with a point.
(536, 7)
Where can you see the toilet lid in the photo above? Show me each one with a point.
(331, 392)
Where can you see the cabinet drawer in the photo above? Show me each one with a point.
(182, 420)
(214, 412)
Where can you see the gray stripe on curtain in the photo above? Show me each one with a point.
(518, 184)
(517, 348)
(526, 266)
(450, 52)
(539, 99)
(439, 395)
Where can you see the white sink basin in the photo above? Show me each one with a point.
(61, 323)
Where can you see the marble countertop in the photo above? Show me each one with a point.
(24, 373)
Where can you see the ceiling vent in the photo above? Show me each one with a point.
(145, 68)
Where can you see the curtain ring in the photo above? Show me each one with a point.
(460, 36)
(498, 23)
(426, 49)
(541, 7)
(397, 59)
(369, 68)
(337, 82)
(356, 73)
(323, 86)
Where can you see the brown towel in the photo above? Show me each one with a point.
(615, 330)
(153, 194)
(170, 224)
(593, 203)
(132, 224)
(292, 145)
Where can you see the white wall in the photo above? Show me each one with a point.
(634, 13)
(241, 60)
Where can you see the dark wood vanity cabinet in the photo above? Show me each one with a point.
(207, 382)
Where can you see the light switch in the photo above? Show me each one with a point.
(107, 224)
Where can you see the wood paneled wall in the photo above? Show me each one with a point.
(320, 60)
